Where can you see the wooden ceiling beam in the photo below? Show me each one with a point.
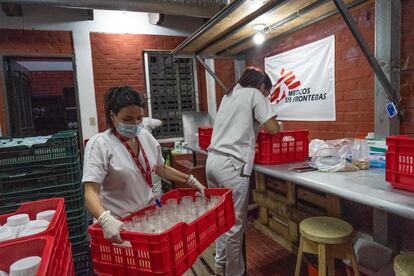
(278, 13)
(233, 15)
(297, 22)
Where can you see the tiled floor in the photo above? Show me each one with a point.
(266, 257)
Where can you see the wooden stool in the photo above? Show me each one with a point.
(329, 238)
(404, 264)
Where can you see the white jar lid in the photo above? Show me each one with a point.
(3, 273)
(25, 267)
(46, 215)
(6, 235)
(39, 223)
(29, 232)
(17, 219)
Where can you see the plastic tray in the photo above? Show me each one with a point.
(57, 228)
(169, 253)
(74, 199)
(60, 148)
(400, 162)
(16, 250)
(283, 147)
(204, 137)
(40, 179)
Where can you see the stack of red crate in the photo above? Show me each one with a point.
(400, 162)
(52, 244)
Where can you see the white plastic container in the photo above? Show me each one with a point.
(29, 232)
(3, 273)
(360, 154)
(17, 223)
(34, 224)
(46, 215)
(6, 235)
(25, 267)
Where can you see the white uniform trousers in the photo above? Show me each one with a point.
(223, 171)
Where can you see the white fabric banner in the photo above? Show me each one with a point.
(304, 82)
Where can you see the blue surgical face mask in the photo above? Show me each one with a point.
(128, 130)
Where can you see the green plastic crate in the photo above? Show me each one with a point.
(63, 147)
(77, 228)
(74, 199)
(45, 179)
(82, 263)
(81, 258)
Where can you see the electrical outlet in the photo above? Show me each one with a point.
(92, 121)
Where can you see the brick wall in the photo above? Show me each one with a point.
(118, 60)
(202, 88)
(21, 42)
(354, 78)
(50, 83)
(407, 64)
(225, 71)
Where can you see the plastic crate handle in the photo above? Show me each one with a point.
(288, 139)
(31, 173)
(18, 175)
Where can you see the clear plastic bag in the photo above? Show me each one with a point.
(331, 156)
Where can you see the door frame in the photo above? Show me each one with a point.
(39, 55)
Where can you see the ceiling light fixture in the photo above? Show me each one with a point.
(259, 27)
(258, 38)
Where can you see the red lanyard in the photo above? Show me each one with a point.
(146, 173)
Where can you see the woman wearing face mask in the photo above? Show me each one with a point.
(119, 164)
(243, 111)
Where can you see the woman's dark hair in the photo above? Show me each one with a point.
(119, 97)
(255, 77)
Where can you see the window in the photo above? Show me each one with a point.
(171, 90)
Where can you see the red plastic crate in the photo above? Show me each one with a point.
(170, 253)
(283, 147)
(67, 267)
(204, 137)
(41, 246)
(57, 228)
(33, 208)
(400, 162)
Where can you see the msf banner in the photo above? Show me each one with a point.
(304, 82)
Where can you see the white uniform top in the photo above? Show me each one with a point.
(238, 120)
(123, 187)
(150, 123)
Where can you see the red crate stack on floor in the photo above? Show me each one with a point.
(52, 244)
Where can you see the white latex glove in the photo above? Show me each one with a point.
(193, 182)
(111, 227)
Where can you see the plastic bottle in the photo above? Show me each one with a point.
(29, 232)
(6, 234)
(46, 215)
(17, 223)
(26, 266)
(36, 224)
(360, 154)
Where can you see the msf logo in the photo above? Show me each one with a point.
(287, 81)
